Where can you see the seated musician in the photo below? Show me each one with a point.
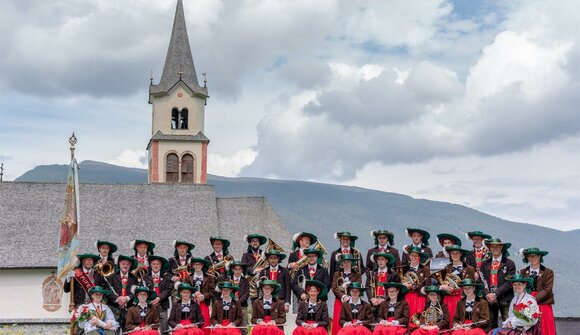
(242, 294)
(393, 313)
(340, 281)
(313, 270)
(226, 312)
(96, 318)
(274, 271)
(312, 318)
(143, 318)
(186, 317)
(204, 284)
(356, 315)
(472, 312)
(382, 274)
(435, 315)
(268, 313)
(459, 270)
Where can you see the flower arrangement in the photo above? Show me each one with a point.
(527, 311)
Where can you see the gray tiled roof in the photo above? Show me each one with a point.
(161, 213)
(159, 136)
(178, 61)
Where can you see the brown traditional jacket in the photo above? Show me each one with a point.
(320, 313)
(543, 285)
(480, 312)
(335, 266)
(277, 312)
(207, 286)
(371, 266)
(468, 271)
(353, 276)
(195, 315)
(234, 313)
(423, 273)
(364, 313)
(133, 318)
(402, 312)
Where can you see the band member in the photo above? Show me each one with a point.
(479, 252)
(186, 317)
(242, 294)
(121, 284)
(541, 287)
(355, 315)
(384, 241)
(268, 313)
(142, 250)
(311, 271)
(181, 255)
(312, 317)
(393, 312)
(494, 270)
(458, 269)
(383, 274)
(340, 282)
(98, 317)
(106, 250)
(446, 240)
(471, 313)
(347, 242)
(254, 253)
(226, 312)
(204, 284)
(514, 325)
(142, 318)
(415, 277)
(85, 278)
(301, 241)
(419, 239)
(220, 252)
(159, 281)
(435, 316)
(280, 275)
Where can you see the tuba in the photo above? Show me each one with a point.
(213, 270)
(105, 269)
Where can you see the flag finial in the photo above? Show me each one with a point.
(73, 141)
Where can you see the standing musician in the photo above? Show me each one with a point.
(419, 239)
(446, 240)
(142, 318)
(393, 312)
(100, 320)
(340, 282)
(494, 270)
(435, 316)
(220, 252)
(355, 315)
(143, 249)
(106, 250)
(181, 255)
(311, 271)
(85, 278)
(186, 317)
(159, 281)
(383, 274)
(457, 269)
(204, 286)
(541, 287)
(312, 317)
(301, 241)
(479, 252)
(254, 253)
(415, 269)
(347, 242)
(279, 274)
(242, 294)
(268, 313)
(384, 241)
(226, 312)
(471, 313)
(121, 283)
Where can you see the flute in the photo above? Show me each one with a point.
(136, 330)
(463, 325)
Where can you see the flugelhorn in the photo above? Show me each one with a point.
(213, 270)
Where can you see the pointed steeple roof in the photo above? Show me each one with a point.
(179, 61)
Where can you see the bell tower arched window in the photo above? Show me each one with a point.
(187, 168)
(179, 118)
(174, 118)
(172, 168)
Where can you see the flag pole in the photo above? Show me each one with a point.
(73, 141)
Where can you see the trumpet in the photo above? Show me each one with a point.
(105, 269)
(372, 285)
(220, 265)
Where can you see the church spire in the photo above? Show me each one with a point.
(179, 61)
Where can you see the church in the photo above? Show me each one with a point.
(177, 203)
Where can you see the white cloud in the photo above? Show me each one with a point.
(134, 158)
(230, 166)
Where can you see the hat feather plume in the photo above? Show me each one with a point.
(295, 237)
(132, 245)
(521, 251)
(336, 236)
(174, 243)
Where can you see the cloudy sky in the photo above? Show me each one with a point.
(472, 102)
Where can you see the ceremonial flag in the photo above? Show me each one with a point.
(68, 246)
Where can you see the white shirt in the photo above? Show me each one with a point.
(109, 317)
(524, 297)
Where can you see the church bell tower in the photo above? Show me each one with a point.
(178, 147)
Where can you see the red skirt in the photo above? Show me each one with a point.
(451, 301)
(187, 331)
(422, 331)
(226, 331)
(336, 316)
(547, 319)
(205, 314)
(267, 330)
(310, 331)
(416, 302)
(355, 330)
(389, 330)
(146, 332)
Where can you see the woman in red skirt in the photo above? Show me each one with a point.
(356, 314)
(458, 267)
(435, 315)
(340, 281)
(414, 296)
(312, 317)
(393, 312)
(205, 285)
(542, 287)
(226, 313)
(268, 312)
(186, 317)
(143, 318)
(472, 312)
